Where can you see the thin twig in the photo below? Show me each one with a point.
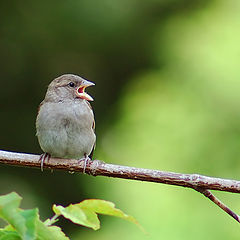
(226, 209)
(197, 182)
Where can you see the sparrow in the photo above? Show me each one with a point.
(65, 121)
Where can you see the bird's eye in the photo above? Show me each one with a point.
(71, 84)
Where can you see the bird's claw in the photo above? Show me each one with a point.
(44, 157)
(91, 164)
(86, 160)
(94, 166)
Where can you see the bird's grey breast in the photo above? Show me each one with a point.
(65, 128)
(66, 114)
(77, 115)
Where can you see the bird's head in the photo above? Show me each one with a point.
(68, 86)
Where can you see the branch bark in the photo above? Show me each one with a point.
(197, 182)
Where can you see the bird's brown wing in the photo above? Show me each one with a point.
(40, 106)
(93, 127)
(94, 145)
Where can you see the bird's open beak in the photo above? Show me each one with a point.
(81, 90)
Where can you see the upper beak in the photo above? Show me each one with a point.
(81, 90)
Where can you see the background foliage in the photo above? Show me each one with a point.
(166, 97)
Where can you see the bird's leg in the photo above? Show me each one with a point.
(86, 161)
(44, 157)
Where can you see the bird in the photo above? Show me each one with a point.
(65, 125)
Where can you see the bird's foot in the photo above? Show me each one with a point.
(86, 160)
(94, 167)
(44, 157)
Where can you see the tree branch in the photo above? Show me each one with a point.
(197, 182)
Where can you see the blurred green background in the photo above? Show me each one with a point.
(167, 77)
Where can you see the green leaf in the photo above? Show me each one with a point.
(85, 212)
(22, 221)
(49, 232)
(30, 217)
(9, 235)
(24, 224)
(78, 215)
(8, 228)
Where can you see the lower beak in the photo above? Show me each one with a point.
(81, 90)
